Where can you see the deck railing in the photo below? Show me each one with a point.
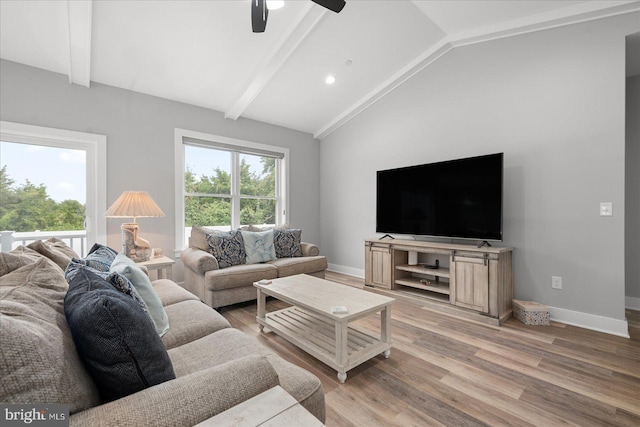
(76, 240)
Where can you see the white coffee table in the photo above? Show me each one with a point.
(311, 325)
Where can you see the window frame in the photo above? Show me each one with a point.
(94, 145)
(242, 147)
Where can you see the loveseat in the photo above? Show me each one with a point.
(220, 268)
(43, 358)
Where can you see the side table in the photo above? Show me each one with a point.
(163, 267)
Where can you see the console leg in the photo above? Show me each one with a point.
(342, 377)
(387, 353)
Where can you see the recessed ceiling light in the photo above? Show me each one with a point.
(331, 79)
(274, 4)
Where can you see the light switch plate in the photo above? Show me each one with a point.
(606, 209)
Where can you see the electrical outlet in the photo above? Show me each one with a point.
(606, 209)
(556, 282)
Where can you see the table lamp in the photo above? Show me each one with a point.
(134, 204)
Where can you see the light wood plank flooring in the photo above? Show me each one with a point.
(446, 371)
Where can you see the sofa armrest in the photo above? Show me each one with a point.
(187, 400)
(198, 260)
(309, 249)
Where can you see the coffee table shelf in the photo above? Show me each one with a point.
(317, 336)
(311, 325)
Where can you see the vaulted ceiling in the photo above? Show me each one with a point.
(204, 52)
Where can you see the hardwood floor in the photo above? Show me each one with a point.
(446, 371)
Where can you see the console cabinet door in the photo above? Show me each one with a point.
(471, 281)
(378, 266)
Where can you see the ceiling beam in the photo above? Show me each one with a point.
(79, 14)
(306, 21)
(582, 12)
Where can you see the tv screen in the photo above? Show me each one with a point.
(457, 198)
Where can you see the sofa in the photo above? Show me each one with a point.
(219, 284)
(211, 366)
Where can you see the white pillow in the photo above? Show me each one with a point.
(258, 246)
(128, 268)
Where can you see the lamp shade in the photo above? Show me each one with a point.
(134, 204)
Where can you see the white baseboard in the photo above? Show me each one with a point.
(569, 317)
(632, 303)
(350, 271)
(590, 321)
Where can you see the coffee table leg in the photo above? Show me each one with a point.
(341, 349)
(342, 377)
(262, 301)
(385, 328)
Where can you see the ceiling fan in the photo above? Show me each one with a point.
(260, 12)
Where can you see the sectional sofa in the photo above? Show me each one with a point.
(211, 366)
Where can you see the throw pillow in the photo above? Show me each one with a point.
(37, 354)
(258, 246)
(115, 337)
(54, 249)
(19, 257)
(227, 247)
(125, 266)
(287, 242)
(119, 282)
(100, 257)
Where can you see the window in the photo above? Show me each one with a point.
(225, 183)
(72, 152)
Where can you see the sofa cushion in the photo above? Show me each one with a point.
(258, 246)
(126, 267)
(191, 320)
(227, 247)
(171, 293)
(19, 257)
(56, 250)
(287, 242)
(305, 387)
(291, 266)
(115, 337)
(37, 354)
(238, 276)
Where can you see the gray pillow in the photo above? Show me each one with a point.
(115, 337)
(227, 247)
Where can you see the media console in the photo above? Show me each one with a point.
(470, 281)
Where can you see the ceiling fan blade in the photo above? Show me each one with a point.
(259, 14)
(335, 5)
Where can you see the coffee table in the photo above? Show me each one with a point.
(311, 324)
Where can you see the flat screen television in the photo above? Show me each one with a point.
(456, 199)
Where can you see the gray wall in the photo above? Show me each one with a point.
(554, 102)
(632, 190)
(140, 142)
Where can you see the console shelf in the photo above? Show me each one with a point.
(468, 279)
(438, 287)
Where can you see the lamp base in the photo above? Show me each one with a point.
(136, 248)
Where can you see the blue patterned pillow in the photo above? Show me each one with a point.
(99, 258)
(287, 242)
(227, 247)
(118, 281)
(258, 246)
